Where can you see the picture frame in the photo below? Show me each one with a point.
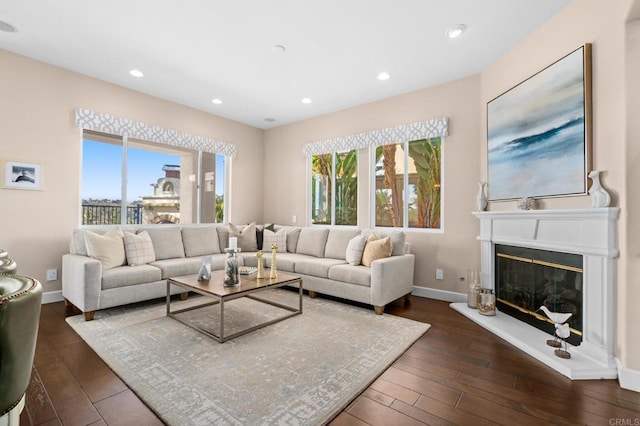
(539, 132)
(21, 175)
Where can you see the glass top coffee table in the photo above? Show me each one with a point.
(249, 287)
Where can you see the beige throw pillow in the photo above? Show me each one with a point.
(107, 248)
(280, 238)
(246, 236)
(376, 248)
(138, 248)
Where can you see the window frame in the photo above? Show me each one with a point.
(405, 189)
(333, 189)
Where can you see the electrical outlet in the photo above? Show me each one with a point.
(52, 274)
(294, 219)
(439, 274)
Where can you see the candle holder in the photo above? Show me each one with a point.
(231, 271)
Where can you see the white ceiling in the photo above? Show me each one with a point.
(192, 51)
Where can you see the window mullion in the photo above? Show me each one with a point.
(333, 188)
(123, 190)
(405, 190)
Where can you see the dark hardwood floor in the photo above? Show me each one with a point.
(457, 373)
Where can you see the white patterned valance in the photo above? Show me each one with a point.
(106, 123)
(405, 132)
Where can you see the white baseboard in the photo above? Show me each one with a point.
(52, 297)
(434, 293)
(628, 378)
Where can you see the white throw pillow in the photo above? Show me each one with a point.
(376, 248)
(355, 249)
(279, 238)
(138, 248)
(107, 248)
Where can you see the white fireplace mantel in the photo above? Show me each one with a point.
(591, 233)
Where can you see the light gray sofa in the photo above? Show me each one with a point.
(316, 254)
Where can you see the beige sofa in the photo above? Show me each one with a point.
(316, 254)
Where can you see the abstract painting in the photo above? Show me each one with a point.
(539, 132)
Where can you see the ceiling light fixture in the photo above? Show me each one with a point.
(306, 100)
(136, 73)
(7, 27)
(269, 119)
(216, 101)
(278, 48)
(384, 76)
(456, 31)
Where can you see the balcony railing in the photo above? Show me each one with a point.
(100, 214)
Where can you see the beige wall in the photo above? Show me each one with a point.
(603, 25)
(36, 125)
(456, 249)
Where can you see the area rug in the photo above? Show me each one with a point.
(303, 370)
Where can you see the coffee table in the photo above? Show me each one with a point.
(215, 289)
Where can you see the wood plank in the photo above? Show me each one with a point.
(452, 414)
(421, 385)
(126, 409)
(375, 414)
(395, 391)
(498, 414)
(346, 419)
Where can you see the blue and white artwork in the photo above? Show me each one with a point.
(537, 134)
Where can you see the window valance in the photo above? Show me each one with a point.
(110, 124)
(405, 132)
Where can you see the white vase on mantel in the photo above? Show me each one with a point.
(599, 196)
(481, 198)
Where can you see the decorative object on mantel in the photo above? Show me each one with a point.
(473, 282)
(273, 274)
(538, 142)
(481, 197)
(260, 274)
(562, 331)
(204, 274)
(487, 302)
(231, 271)
(558, 319)
(599, 196)
(525, 203)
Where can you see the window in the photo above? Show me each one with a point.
(407, 182)
(334, 188)
(160, 183)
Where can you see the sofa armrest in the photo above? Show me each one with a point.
(391, 278)
(82, 281)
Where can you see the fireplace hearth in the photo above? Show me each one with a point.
(589, 234)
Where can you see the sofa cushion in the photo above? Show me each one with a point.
(293, 234)
(285, 261)
(312, 241)
(355, 249)
(316, 267)
(167, 242)
(279, 238)
(337, 242)
(107, 248)
(180, 266)
(360, 275)
(138, 248)
(376, 248)
(398, 240)
(200, 240)
(246, 236)
(124, 276)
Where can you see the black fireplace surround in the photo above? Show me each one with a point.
(527, 279)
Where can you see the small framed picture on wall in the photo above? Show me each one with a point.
(19, 175)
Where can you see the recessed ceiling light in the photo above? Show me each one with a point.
(7, 27)
(384, 76)
(269, 119)
(136, 73)
(456, 31)
(306, 100)
(278, 48)
(216, 101)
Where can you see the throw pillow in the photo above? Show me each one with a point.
(107, 248)
(246, 236)
(138, 248)
(279, 238)
(376, 248)
(312, 241)
(355, 249)
(167, 241)
(200, 240)
(260, 233)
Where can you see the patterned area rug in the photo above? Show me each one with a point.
(303, 370)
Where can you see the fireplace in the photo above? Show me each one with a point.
(591, 235)
(527, 279)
